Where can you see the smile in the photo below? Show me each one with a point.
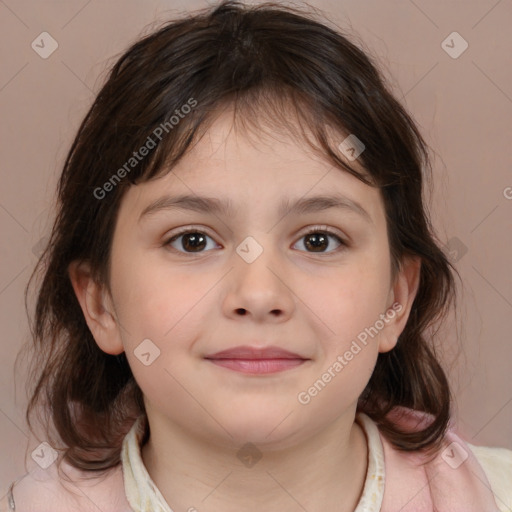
(257, 360)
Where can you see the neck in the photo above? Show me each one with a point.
(327, 470)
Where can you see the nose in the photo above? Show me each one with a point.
(259, 289)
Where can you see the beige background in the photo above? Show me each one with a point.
(463, 106)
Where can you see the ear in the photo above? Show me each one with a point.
(401, 297)
(97, 308)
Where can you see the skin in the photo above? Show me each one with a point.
(193, 304)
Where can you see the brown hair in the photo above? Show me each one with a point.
(262, 59)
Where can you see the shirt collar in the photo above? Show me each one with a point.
(144, 496)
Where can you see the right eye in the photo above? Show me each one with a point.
(192, 241)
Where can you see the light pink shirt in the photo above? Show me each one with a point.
(462, 478)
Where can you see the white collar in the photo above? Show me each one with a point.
(144, 496)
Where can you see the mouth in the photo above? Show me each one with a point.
(257, 361)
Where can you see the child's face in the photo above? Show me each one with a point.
(192, 305)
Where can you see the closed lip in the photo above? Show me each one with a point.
(247, 353)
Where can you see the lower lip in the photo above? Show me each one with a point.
(258, 366)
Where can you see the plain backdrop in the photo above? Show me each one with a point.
(461, 101)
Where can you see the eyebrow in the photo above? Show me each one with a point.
(216, 206)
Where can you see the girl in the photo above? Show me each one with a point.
(239, 287)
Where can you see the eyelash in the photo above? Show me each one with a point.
(317, 229)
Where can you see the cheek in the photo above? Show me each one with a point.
(351, 309)
(352, 299)
(141, 289)
(161, 304)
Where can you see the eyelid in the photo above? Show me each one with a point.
(191, 227)
(305, 230)
(323, 228)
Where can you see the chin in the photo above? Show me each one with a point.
(262, 429)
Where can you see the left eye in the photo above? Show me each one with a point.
(193, 241)
(319, 238)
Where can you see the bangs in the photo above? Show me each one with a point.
(258, 113)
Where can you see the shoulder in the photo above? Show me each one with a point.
(45, 490)
(497, 464)
(483, 480)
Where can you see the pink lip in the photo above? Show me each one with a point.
(246, 359)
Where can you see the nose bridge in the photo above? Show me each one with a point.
(258, 281)
(258, 255)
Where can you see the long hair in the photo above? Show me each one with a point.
(262, 59)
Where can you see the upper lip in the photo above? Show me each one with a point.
(247, 352)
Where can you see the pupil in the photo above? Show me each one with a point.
(193, 240)
(317, 240)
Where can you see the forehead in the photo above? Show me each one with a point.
(246, 167)
(235, 135)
